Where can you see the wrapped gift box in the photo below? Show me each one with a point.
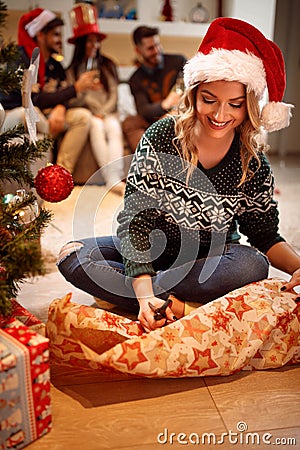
(23, 315)
(25, 407)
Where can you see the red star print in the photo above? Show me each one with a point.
(273, 358)
(131, 355)
(202, 361)
(238, 306)
(110, 319)
(283, 321)
(220, 321)
(292, 339)
(238, 341)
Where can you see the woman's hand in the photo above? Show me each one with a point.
(146, 314)
(142, 285)
(284, 257)
(294, 281)
(88, 80)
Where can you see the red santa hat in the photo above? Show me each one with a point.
(29, 25)
(84, 20)
(234, 50)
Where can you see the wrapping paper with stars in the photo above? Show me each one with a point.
(255, 327)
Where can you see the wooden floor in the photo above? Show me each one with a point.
(97, 411)
(93, 411)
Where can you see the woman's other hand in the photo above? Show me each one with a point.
(294, 281)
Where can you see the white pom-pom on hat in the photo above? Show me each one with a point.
(276, 116)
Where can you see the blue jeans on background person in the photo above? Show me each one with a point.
(97, 268)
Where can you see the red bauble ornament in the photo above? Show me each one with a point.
(3, 273)
(53, 183)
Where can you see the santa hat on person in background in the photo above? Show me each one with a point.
(29, 25)
(84, 20)
(234, 50)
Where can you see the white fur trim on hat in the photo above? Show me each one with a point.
(228, 65)
(276, 115)
(39, 22)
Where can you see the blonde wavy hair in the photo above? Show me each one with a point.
(249, 131)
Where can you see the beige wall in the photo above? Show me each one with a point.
(120, 47)
(11, 25)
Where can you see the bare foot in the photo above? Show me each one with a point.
(177, 307)
(180, 308)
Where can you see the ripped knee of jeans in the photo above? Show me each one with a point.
(68, 249)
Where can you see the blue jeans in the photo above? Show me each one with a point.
(97, 268)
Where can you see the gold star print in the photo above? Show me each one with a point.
(214, 343)
(133, 329)
(238, 306)
(182, 359)
(272, 358)
(131, 355)
(193, 327)
(158, 358)
(291, 339)
(171, 336)
(239, 340)
(261, 306)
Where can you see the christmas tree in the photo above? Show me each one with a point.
(21, 219)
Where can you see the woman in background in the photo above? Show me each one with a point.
(105, 135)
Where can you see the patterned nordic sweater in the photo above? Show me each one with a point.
(167, 222)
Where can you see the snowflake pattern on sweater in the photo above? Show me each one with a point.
(167, 219)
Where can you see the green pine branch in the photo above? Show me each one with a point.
(16, 154)
(20, 250)
(10, 78)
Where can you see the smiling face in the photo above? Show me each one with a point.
(150, 50)
(50, 42)
(220, 107)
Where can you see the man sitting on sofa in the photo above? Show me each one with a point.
(151, 84)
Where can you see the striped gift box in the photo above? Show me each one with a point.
(25, 404)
